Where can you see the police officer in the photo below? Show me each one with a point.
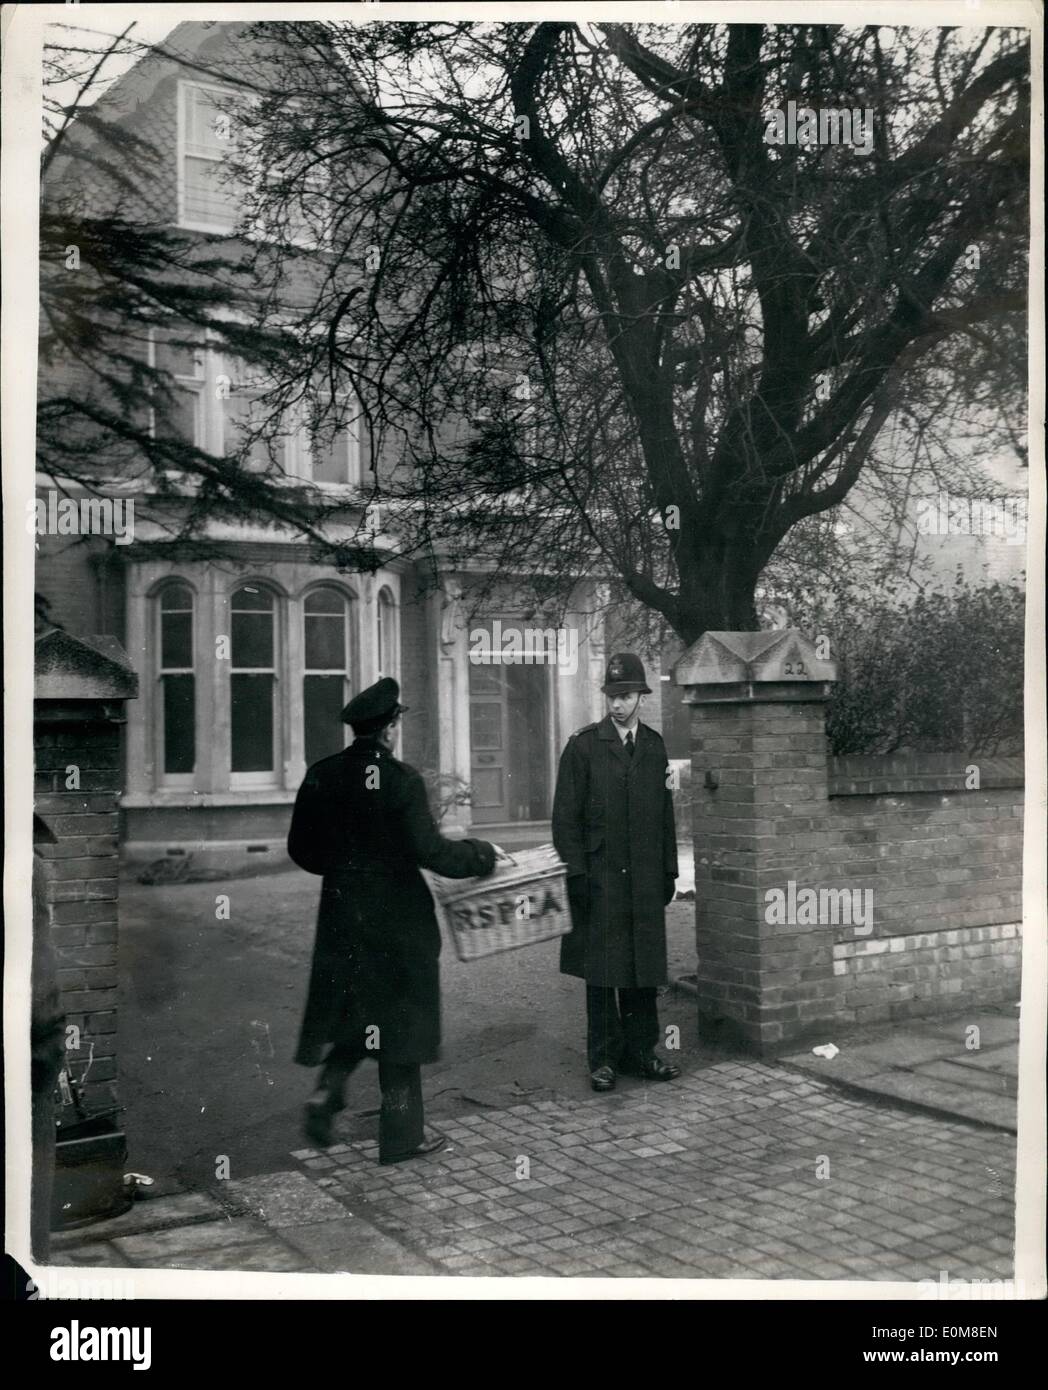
(362, 819)
(613, 827)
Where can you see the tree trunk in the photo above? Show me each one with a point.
(720, 594)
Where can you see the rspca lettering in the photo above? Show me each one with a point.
(76, 1343)
(512, 908)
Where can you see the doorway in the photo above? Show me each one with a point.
(509, 742)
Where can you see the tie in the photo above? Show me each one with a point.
(629, 743)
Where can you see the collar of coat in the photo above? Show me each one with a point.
(369, 744)
(606, 729)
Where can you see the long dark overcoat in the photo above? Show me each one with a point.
(613, 827)
(362, 819)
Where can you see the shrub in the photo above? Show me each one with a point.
(942, 672)
(445, 790)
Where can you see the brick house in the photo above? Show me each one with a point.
(245, 660)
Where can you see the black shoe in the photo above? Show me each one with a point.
(603, 1079)
(319, 1116)
(431, 1143)
(651, 1068)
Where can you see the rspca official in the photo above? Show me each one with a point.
(362, 819)
(613, 827)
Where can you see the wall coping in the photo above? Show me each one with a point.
(180, 800)
(879, 774)
(82, 668)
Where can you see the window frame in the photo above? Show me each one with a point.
(349, 630)
(181, 154)
(268, 779)
(210, 416)
(394, 632)
(231, 367)
(164, 780)
(350, 436)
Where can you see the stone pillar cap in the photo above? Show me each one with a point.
(783, 657)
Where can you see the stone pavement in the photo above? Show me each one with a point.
(739, 1169)
(940, 1064)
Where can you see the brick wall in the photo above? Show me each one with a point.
(83, 582)
(81, 887)
(921, 772)
(944, 865)
(928, 863)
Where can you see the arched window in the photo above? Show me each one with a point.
(326, 645)
(386, 633)
(177, 682)
(252, 681)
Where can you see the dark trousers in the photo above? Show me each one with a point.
(617, 1030)
(400, 1124)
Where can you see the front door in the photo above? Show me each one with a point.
(509, 742)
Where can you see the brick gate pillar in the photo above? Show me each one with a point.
(80, 688)
(759, 787)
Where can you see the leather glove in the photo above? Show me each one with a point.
(483, 846)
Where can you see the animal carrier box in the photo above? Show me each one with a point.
(524, 900)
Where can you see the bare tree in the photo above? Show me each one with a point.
(682, 340)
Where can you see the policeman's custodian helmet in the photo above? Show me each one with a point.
(374, 707)
(625, 675)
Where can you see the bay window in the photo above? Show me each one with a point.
(250, 674)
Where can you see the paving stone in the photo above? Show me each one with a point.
(99, 1253)
(147, 1214)
(354, 1247)
(266, 1256)
(285, 1199)
(158, 1247)
(713, 1178)
(223, 1245)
